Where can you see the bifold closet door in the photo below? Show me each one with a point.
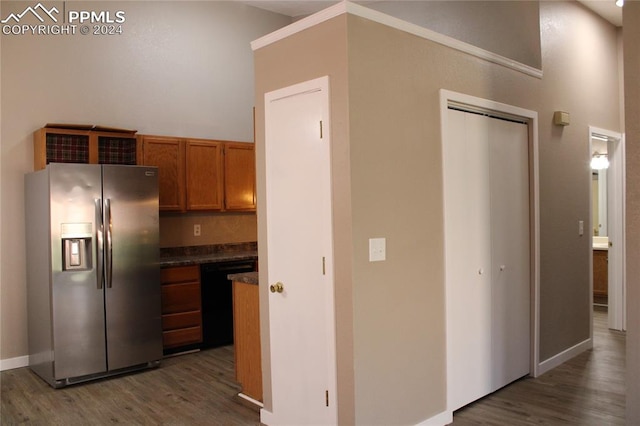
(468, 258)
(487, 254)
(510, 251)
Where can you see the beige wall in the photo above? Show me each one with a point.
(508, 28)
(631, 35)
(392, 165)
(179, 68)
(575, 44)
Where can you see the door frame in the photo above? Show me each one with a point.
(476, 104)
(615, 227)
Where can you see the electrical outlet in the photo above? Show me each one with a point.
(196, 230)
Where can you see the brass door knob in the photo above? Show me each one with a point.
(277, 287)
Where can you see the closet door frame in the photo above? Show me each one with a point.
(479, 105)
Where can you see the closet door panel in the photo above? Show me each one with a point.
(510, 246)
(468, 259)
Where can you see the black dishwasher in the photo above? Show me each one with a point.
(217, 300)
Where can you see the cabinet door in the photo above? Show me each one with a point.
(239, 176)
(168, 155)
(115, 148)
(600, 273)
(204, 175)
(52, 145)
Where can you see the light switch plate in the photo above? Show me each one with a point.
(377, 249)
(581, 228)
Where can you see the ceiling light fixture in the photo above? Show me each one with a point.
(619, 3)
(599, 161)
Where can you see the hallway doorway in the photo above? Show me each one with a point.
(607, 223)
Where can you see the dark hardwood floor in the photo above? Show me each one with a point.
(192, 389)
(199, 389)
(587, 390)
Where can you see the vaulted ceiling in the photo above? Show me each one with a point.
(298, 8)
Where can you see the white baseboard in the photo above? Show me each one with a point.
(444, 418)
(251, 400)
(11, 363)
(266, 417)
(564, 356)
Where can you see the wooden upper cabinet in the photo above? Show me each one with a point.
(239, 176)
(204, 175)
(167, 154)
(84, 144)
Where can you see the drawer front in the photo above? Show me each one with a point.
(180, 274)
(180, 297)
(181, 320)
(181, 337)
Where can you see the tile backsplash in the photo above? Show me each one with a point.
(176, 230)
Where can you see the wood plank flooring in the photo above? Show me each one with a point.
(199, 389)
(193, 389)
(588, 390)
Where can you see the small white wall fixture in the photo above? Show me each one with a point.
(495, 109)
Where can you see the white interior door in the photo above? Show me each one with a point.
(487, 254)
(299, 240)
(615, 219)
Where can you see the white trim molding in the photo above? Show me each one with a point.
(564, 356)
(11, 363)
(444, 418)
(390, 21)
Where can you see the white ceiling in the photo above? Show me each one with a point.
(293, 8)
(297, 8)
(607, 9)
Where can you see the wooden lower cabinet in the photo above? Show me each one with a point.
(600, 276)
(181, 306)
(246, 330)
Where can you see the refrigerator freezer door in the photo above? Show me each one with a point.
(77, 302)
(133, 321)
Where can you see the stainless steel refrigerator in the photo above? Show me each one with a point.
(93, 274)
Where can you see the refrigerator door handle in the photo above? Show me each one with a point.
(99, 243)
(108, 242)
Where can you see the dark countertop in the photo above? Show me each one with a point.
(245, 277)
(197, 255)
(207, 258)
